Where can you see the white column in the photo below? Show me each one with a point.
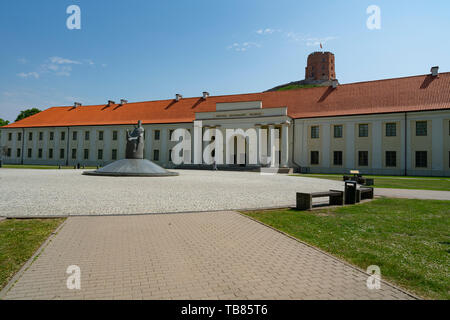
(285, 145)
(325, 134)
(163, 158)
(377, 136)
(350, 145)
(273, 146)
(437, 144)
(262, 146)
(198, 142)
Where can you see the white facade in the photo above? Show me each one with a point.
(399, 152)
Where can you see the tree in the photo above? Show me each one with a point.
(27, 113)
(3, 122)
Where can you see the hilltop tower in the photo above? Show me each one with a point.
(320, 67)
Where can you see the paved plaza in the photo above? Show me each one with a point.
(216, 255)
(67, 192)
(28, 193)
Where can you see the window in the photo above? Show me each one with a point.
(114, 154)
(338, 131)
(61, 153)
(86, 154)
(170, 155)
(156, 155)
(41, 136)
(421, 128)
(52, 136)
(8, 152)
(19, 136)
(74, 153)
(30, 152)
(337, 158)
(86, 135)
(157, 133)
(421, 159)
(50, 153)
(170, 134)
(363, 158)
(9, 136)
(63, 136)
(314, 132)
(74, 135)
(100, 154)
(314, 157)
(30, 136)
(39, 153)
(391, 159)
(100, 135)
(114, 135)
(18, 153)
(391, 129)
(363, 130)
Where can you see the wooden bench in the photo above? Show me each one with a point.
(304, 200)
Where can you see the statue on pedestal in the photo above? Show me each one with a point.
(135, 142)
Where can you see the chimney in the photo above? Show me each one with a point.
(334, 83)
(76, 104)
(435, 71)
(110, 103)
(205, 95)
(123, 101)
(178, 97)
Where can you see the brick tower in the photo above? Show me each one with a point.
(320, 67)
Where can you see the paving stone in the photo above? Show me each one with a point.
(217, 255)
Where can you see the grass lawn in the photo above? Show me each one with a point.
(408, 239)
(19, 240)
(396, 182)
(25, 166)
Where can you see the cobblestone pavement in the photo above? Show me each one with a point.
(217, 255)
(66, 192)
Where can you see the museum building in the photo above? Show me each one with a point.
(397, 126)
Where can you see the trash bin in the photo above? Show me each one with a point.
(350, 192)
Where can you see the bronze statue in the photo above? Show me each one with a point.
(135, 142)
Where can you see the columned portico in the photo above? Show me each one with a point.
(285, 145)
(262, 134)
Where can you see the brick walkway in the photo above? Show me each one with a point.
(219, 255)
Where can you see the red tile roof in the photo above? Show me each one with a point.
(417, 93)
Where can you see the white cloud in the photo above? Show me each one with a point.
(59, 60)
(28, 75)
(57, 66)
(309, 41)
(266, 31)
(241, 47)
(22, 61)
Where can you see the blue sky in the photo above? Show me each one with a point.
(147, 50)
